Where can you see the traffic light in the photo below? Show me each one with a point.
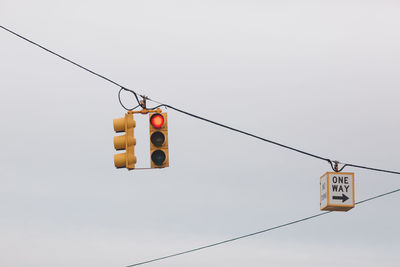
(125, 142)
(159, 140)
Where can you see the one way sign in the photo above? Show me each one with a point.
(337, 191)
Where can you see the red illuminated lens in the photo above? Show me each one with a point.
(157, 121)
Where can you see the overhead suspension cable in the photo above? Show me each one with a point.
(279, 144)
(245, 133)
(139, 103)
(256, 233)
(60, 56)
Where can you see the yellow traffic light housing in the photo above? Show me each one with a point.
(125, 142)
(159, 157)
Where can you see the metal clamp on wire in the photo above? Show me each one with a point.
(143, 101)
(336, 166)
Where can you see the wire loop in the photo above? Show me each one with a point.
(119, 98)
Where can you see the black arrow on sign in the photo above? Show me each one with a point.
(343, 197)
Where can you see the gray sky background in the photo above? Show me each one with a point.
(317, 75)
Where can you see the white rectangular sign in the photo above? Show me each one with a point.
(337, 191)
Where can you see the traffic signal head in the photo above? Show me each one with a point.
(159, 140)
(125, 142)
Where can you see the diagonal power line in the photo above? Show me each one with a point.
(255, 233)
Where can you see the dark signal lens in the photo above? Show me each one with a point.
(158, 157)
(157, 120)
(157, 139)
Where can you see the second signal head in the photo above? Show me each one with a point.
(159, 140)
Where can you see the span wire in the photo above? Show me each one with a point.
(66, 59)
(190, 114)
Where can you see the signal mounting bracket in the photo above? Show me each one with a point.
(145, 111)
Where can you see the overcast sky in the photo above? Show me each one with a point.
(322, 76)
